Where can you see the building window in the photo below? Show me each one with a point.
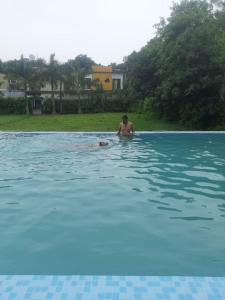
(116, 84)
(88, 83)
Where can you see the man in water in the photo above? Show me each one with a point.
(83, 146)
(126, 128)
(100, 144)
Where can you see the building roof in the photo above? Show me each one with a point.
(101, 69)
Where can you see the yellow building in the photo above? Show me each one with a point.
(108, 78)
(103, 75)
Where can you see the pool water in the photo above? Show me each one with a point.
(153, 205)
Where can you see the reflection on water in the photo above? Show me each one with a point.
(152, 205)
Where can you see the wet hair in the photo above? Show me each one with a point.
(124, 117)
(103, 144)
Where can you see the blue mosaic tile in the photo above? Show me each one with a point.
(111, 287)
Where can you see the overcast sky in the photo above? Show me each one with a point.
(105, 30)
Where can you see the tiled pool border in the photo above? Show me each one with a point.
(111, 287)
(38, 287)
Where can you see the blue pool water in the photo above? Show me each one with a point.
(154, 205)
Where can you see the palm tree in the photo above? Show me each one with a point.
(53, 78)
(37, 79)
(74, 80)
(78, 84)
(20, 70)
(24, 73)
(28, 73)
(62, 79)
(74, 75)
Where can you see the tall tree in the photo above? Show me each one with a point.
(84, 63)
(20, 70)
(62, 79)
(191, 69)
(53, 77)
(74, 75)
(182, 68)
(26, 74)
(1, 66)
(143, 70)
(37, 78)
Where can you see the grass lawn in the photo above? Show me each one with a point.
(83, 122)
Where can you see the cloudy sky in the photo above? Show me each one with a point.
(105, 30)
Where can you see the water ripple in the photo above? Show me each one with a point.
(192, 218)
(153, 205)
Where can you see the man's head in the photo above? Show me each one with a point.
(125, 119)
(102, 144)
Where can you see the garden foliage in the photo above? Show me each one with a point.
(180, 72)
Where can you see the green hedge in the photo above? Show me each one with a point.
(93, 104)
(12, 105)
(88, 105)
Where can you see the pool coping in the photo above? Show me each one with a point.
(38, 287)
(114, 132)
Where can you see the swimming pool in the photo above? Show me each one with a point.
(153, 205)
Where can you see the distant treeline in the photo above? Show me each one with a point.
(66, 79)
(180, 72)
(31, 74)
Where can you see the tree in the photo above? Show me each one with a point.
(37, 78)
(182, 68)
(191, 70)
(62, 79)
(30, 74)
(83, 62)
(53, 76)
(26, 74)
(74, 75)
(142, 78)
(20, 70)
(1, 66)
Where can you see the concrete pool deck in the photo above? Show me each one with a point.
(111, 287)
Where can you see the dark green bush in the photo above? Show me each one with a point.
(12, 105)
(68, 106)
(93, 103)
(46, 106)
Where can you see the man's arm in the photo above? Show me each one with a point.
(119, 130)
(132, 128)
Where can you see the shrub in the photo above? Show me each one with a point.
(68, 106)
(93, 103)
(46, 106)
(12, 105)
